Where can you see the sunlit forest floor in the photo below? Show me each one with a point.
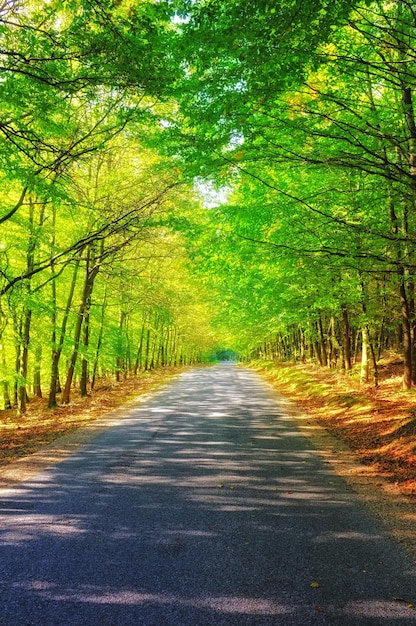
(22, 435)
(378, 424)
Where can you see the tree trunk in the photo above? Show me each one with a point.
(139, 355)
(373, 358)
(66, 394)
(127, 360)
(381, 339)
(99, 340)
(6, 391)
(155, 342)
(346, 338)
(407, 336)
(322, 341)
(90, 276)
(364, 356)
(173, 347)
(27, 312)
(18, 350)
(120, 364)
(405, 292)
(37, 386)
(318, 351)
(161, 349)
(409, 118)
(22, 393)
(57, 348)
(83, 383)
(147, 351)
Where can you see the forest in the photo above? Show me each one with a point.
(187, 179)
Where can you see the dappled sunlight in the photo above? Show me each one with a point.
(391, 611)
(378, 424)
(30, 526)
(186, 515)
(347, 536)
(223, 604)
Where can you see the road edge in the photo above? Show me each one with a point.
(26, 467)
(395, 511)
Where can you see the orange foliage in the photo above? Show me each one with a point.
(22, 435)
(377, 424)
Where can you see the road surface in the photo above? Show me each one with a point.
(203, 506)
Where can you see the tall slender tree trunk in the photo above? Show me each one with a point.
(406, 282)
(381, 339)
(373, 359)
(128, 366)
(27, 313)
(173, 347)
(18, 350)
(407, 336)
(54, 318)
(368, 345)
(90, 276)
(139, 354)
(66, 394)
(364, 356)
(120, 363)
(83, 383)
(22, 394)
(57, 347)
(154, 343)
(37, 382)
(405, 307)
(346, 338)
(6, 391)
(409, 117)
(147, 351)
(317, 345)
(166, 348)
(99, 340)
(161, 349)
(322, 340)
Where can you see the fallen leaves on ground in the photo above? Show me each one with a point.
(25, 434)
(378, 424)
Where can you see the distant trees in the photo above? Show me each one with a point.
(318, 139)
(114, 112)
(103, 300)
(85, 199)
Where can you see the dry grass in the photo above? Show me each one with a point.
(379, 425)
(22, 435)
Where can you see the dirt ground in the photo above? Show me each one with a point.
(377, 424)
(26, 434)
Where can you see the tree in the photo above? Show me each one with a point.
(331, 142)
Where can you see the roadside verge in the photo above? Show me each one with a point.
(382, 496)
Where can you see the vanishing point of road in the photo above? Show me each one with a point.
(203, 505)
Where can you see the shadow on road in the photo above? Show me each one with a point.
(203, 506)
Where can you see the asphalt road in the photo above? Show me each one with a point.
(202, 506)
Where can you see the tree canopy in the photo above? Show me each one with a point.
(183, 179)
(305, 113)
